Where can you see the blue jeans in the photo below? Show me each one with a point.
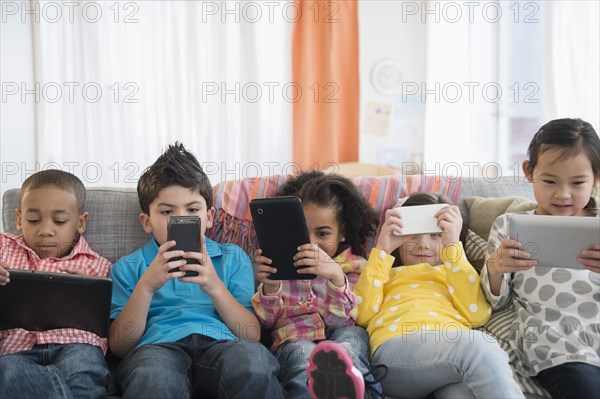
(199, 366)
(293, 359)
(571, 380)
(54, 371)
(448, 363)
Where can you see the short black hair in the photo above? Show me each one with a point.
(175, 166)
(59, 179)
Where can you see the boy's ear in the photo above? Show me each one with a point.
(81, 222)
(19, 216)
(210, 217)
(145, 221)
(528, 175)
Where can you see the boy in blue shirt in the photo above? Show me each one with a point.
(186, 336)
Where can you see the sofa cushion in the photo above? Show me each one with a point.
(475, 249)
(493, 188)
(500, 327)
(484, 211)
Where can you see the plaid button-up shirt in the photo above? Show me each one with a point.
(15, 254)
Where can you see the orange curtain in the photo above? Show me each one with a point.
(325, 73)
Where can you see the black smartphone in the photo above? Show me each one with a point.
(185, 231)
(281, 228)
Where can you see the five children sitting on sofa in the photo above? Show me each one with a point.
(184, 336)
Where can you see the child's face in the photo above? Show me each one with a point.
(421, 248)
(323, 227)
(561, 187)
(175, 201)
(49, 220)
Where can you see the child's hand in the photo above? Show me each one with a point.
(389, 236)
(207, 276)
(316, 261)
(449, 221)
(590, 258)
(4, 275)
(264, 271)
(509, 258)
(157, 273)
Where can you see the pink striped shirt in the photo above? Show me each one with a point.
(306, 309)
(15, 254)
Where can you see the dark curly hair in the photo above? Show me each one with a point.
(358, 220)
(175, 166)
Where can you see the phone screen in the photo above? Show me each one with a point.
(185, 231)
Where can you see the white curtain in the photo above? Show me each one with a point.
(542, 55)
(461, 98)
(572, 61)
(124, 79)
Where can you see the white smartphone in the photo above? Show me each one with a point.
(419, 219)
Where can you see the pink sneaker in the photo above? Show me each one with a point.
(331, 374)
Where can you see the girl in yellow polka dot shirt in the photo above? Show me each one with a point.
(419, 315)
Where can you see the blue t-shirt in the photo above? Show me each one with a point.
(180, 309)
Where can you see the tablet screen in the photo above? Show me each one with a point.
(554, 241)
(280, 228)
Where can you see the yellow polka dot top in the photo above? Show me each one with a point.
(407, 299)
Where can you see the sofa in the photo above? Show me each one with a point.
(114, 230)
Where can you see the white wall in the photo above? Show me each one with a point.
(394, 135)
(17, 114)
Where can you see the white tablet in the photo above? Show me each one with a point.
(419, 219)
(555, 241)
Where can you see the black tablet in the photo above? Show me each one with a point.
(280, 228)
(40, 301)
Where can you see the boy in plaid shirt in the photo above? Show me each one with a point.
(63, 362)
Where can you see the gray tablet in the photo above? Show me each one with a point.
(39, 301)
(555, 241)
(280, 228)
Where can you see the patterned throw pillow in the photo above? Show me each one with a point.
(475, 249)
(484, 211)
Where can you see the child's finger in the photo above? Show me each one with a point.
(307, 254)
(176, 263)
(166, 246)
(508, 243)
(203, 244)
(4, 276)
(590, 253)
(306, 247)
(517, 253)
(266, 269)
(400, 202)
(589, 263)
(168, 255)
(262, 260)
